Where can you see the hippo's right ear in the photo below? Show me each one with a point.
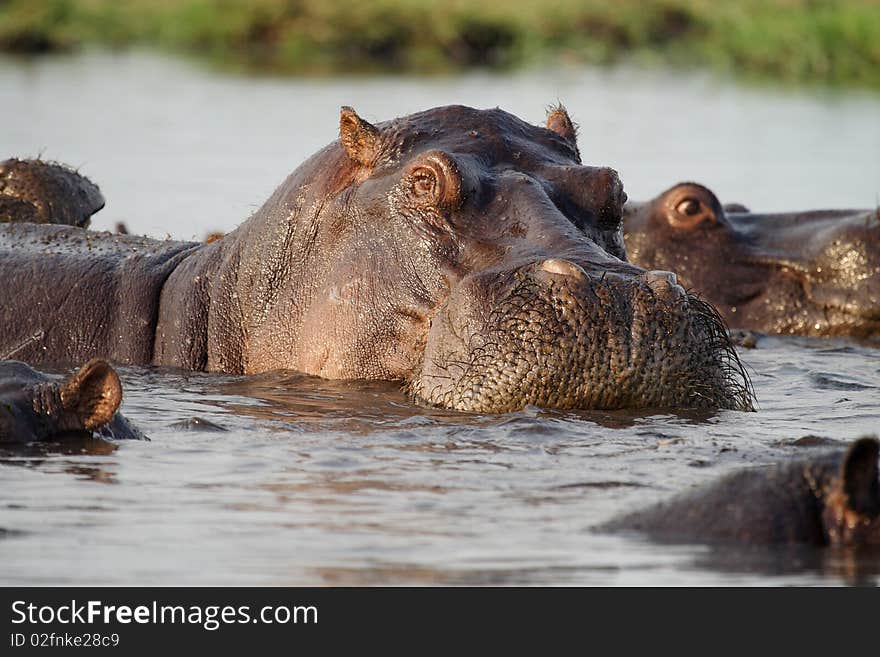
(92, 394)
(859, 473)
(560, 122)
(360, 138)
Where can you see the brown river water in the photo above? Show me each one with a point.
(286, 479)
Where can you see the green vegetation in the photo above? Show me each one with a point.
(825, 41)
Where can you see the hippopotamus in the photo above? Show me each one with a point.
(807, 273)
(832, 499)
(35, 407)
(463, 252)
(43, 192)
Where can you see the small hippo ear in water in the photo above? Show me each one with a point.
(860, 476)
(92, 394)
(559, 122)
(361, 139)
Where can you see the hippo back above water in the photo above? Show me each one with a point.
(833, 499)
(808, 273)
(43, 192)
(463, 252)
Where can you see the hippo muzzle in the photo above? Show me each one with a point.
(552, 335)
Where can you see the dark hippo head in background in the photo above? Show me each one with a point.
(810, 273)
(832, 499)
(34, 407)
(465, 252)
(46, 193)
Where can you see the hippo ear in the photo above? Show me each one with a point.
(361, 139)
(734, 207)
(92, 394)
(559, 122)
(860, 476)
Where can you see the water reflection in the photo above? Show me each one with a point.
(36, 454)
(851, 566)
(299, 398)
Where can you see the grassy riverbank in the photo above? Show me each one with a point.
(792, 40)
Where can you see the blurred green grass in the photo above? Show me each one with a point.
(789, 40)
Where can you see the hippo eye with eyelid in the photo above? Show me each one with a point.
(425, 183)
(689, 213)
(688, 207)
(436, 181)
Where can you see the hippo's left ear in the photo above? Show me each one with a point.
(361, 139)
(559, 122)
(92, 394)
(860, 476)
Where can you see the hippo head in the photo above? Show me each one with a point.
(473, 256)
(46, 193)
(813, 273)
(851, 513)
(32, 407)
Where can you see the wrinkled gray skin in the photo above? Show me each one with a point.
(808, 273)
(46, 193)
(463, 252)
(35, 407)
(833, 499)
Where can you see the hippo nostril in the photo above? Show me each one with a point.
(561, 267)
(659, 280)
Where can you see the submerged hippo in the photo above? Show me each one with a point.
(46, 193)
(463, 252)
(809, 273)
(34, 407)
(833, 499)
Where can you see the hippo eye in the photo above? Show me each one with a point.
(688, 207)
(689, 212)
(436, 180)
(425, 183)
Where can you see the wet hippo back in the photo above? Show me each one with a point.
(832, 499)
(70, 295)
(46, 193)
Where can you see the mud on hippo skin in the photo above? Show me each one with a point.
(36, 407)
(833, 499)
(463, 252)
(808, 273)
(43, 192)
